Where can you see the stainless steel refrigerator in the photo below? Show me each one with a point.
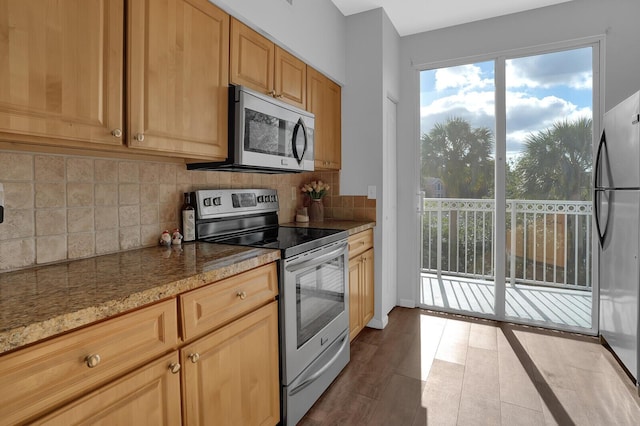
(617, 212)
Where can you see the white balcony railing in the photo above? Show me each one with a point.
(548, 242)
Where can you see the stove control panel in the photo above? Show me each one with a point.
(217, 203)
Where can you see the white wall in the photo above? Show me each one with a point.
(372, 76)
(362, 105)
(616, 19)
(389, 205)
(313, 30)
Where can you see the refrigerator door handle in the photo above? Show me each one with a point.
(596, 208)
(603, 143)
(602, 231)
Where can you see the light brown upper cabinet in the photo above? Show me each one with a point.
(178, 60)
(291, 79)
(324, 100)
(61, 72)
(259, 64)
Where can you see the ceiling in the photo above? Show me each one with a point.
(416, 16)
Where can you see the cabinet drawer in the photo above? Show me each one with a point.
(360, 242)
(216, 304)
(47, 374)
(129, 400)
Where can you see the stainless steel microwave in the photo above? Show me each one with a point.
(265, 135)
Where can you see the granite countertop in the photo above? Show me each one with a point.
(44, 301)
(352, 226)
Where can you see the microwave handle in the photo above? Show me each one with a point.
(299, 124)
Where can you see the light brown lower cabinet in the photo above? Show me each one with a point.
(49, 374)
(147, 396)
(361, 281)
(134, 369)
(231, 376)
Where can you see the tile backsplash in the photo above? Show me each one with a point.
(60, 207)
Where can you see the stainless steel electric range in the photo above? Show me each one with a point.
(313, 287)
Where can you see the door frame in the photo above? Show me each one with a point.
(499, 58)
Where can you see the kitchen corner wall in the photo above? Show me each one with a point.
(61, 207)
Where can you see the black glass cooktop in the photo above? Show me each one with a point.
(291, 240)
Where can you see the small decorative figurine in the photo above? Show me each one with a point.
(176, 237)
(165, 238)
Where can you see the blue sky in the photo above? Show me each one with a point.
(541, 90)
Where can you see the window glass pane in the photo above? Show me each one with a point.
(549, 187)
(457, 113)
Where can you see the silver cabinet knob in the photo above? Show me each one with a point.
(116, 133)
(139, 137)
(174, 367)
(92, 360)
(194, 357)
(242, 295)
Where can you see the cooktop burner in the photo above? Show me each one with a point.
(291, 240)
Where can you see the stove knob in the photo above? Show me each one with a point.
(217, 201)
(261, 199)
(273, 198)
(207, 202)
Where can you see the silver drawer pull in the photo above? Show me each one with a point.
(242, 295)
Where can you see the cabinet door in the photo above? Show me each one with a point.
(324, 100)
(333, 123)
(355, 278)
(290, 79)
(367, 289)
(178, 78)
(252, 59)
(148, 396)
(61, 71)
(231, 376)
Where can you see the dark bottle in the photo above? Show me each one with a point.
(188, 219)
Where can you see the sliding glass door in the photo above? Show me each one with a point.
(549, 128)
(506, 163)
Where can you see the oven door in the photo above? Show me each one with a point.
(315, 305)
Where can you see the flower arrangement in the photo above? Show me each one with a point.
(315, 190)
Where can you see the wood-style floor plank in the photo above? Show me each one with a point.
(428, 368)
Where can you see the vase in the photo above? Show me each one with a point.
(316, 210)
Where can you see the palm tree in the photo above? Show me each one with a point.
(557, 163)
(460, 156)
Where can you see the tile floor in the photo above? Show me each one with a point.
(427, 368)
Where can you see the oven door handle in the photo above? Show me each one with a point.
(320, 372)
(293, 267)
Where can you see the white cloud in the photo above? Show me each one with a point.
(472, 102)
(526, 114)
(464, 77)
(566, 68)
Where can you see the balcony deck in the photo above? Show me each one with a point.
(561, 306)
